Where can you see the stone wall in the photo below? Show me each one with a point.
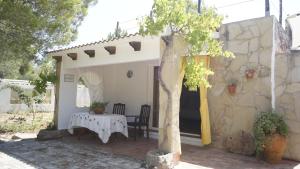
(251, 42)
(233, 115)
(287, 98)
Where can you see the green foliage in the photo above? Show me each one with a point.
(46, 74)
(232, 82)
(117, 33)
(29, 27)
(182, 18)
(195, 74)
(98, 105)
(267, 124)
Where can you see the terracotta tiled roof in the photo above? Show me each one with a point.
(92, 43)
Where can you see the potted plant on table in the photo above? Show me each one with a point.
(98, 107)
(270, 133)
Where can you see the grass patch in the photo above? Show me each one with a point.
(22, 122)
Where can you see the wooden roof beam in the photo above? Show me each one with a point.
(110, 49)
(73, 56)
(136, 45)
(57, 58)
(91, 53)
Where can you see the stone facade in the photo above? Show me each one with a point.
(287, 97)
(252, 42)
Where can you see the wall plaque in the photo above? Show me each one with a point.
(69, 78)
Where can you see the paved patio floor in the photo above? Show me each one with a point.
(119, 153)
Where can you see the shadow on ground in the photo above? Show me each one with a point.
(119, 153)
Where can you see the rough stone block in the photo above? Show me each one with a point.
(295, 74)
(279, 90)
(296, 97)
(292, 88)
(246, 35)
(240, 143)
(293, 147)
(254, 44)
(266, 39)
(217, 89)
(239, 61)
(262, 103)
(238, 46)
(293, 125)
(246, 99)
(297, 60)
(255, 31)
(265, 57)
(156, 159)
(253, 57)
(234, 30)
(49, 135)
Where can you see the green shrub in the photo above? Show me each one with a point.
(267, 124)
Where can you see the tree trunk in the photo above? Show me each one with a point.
(170, 77)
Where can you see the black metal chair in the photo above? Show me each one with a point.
(119, 108)
(141, 121)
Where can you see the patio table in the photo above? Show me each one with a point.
(104, 125)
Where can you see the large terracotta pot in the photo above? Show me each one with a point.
(99, 110)
(274, 148)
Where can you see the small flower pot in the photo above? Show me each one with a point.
(250, 73)
(231, 89)
(274, 148)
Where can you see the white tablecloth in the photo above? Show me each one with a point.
(104, 124)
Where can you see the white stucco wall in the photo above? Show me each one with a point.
(133, 91)
(5, 97)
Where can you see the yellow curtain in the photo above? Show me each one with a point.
(204, 112)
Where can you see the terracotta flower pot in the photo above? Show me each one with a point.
(231, 89)
(250, 73)
(99, 110)
(274, 148)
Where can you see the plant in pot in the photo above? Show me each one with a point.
(250, 73)
(270, 133)
(98, 107)
(232, 86)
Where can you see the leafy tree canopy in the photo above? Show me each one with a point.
(182, 18)
(28, 27)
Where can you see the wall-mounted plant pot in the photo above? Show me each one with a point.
(231, 89)
(250, 73)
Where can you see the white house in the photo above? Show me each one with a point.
(10, 102)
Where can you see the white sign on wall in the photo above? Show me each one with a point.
(69, 78)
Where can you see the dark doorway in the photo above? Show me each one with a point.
(189, 114)
(155, 96)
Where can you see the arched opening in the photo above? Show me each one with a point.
(82, 94)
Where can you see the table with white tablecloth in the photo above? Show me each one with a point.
(104, 125)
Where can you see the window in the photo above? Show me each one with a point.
(83, 96)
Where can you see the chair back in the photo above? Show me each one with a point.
(145, 114)
(119, 108)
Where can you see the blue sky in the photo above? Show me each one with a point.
(102, 17)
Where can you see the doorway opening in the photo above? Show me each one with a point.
(189, 113)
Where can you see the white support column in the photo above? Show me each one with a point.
(273, 61)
